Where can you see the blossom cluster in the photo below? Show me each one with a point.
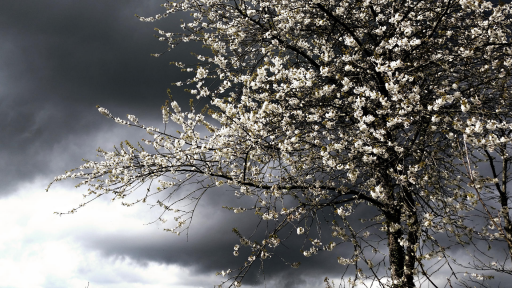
(330, 105)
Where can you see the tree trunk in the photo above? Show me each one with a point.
(412, 239)
(504, 205)
(396, 258)
(410, 255)
(396, 251)
(508, 229)
(402, 260)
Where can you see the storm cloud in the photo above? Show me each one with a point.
(58, 60)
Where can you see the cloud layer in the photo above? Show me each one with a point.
(58, 60)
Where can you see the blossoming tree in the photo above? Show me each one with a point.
(330, 107)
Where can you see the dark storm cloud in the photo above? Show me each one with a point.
(62, 58)
(209, 248)
(58, 59)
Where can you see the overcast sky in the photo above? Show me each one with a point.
(58, 60)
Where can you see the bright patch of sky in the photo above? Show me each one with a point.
(41, 249)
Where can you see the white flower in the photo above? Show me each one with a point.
(201, 73)
(104, 112)
(465, 106)
(133, 119)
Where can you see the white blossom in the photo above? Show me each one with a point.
(319, 109)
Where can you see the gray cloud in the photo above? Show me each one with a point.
(210, 245)
(61, 58)
(58, 59)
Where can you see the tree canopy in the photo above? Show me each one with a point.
(319, 109)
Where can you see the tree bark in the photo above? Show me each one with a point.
(412, 239)
(396, 251)
(504, 204)
(402, 260)
(396, 258)
(410, 255)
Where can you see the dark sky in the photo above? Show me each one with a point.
(58, 60)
